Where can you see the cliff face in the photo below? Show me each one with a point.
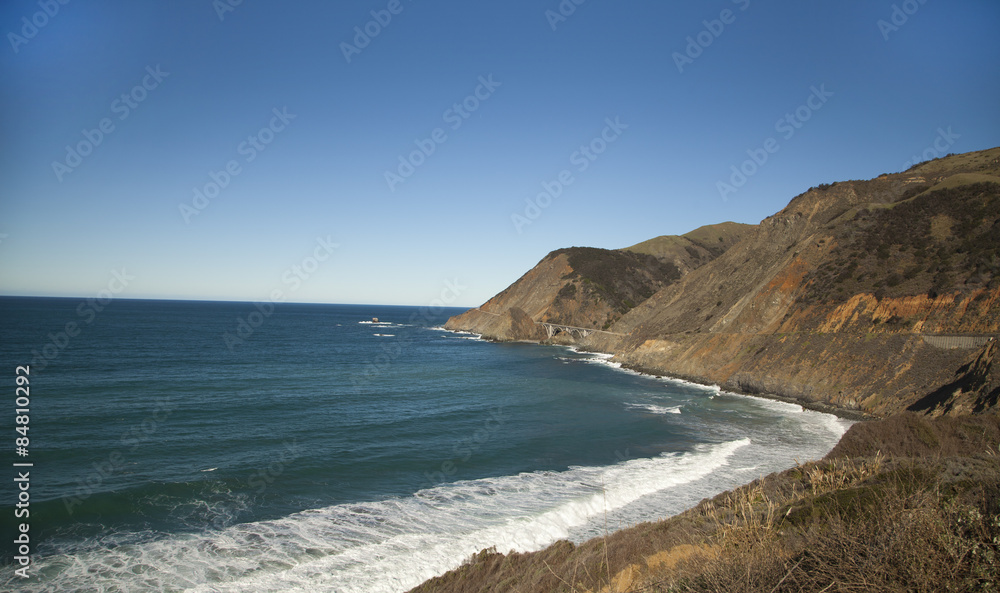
(877, 296)
(510, 326)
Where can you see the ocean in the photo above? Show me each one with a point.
(219, 446)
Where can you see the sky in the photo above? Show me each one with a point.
(416, 152)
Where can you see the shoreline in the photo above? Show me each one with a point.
(845, 413)
(621, 530)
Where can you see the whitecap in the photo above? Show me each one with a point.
(383, 546)
(653, 408)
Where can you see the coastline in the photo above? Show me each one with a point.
(644, 554)
(840, 412)
(816, 406)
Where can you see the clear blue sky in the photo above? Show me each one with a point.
(67, 220)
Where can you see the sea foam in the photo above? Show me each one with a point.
(388, 545)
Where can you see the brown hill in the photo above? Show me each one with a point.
(578, 286)
(876, 296)
(697, 248)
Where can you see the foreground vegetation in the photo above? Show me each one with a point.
(903, 504)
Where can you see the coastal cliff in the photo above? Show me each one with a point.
(880, 297)
(873, 296)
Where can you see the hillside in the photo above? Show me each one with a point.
(695, 249)
(594, 288)
(875, 296)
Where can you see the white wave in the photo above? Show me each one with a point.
(385, 546)
(385, 335)
(458, 333)
(654, 408)
(463, 335)
(836, 425)
(713, 389)
(601, 359)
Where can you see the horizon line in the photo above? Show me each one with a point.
(225, 300)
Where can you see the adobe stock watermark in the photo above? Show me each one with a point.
(224, 7)
(454, 117)
(87, 311)
(365, 34)
(465, 448)
(291, 280)
(899, 16)
(787, 126)
(563, 11)
(939, 148)
(713, 29)
(135, 436)
(30, 27)
(123, 107)
(392, 350)
(249, 149)
(581, 159)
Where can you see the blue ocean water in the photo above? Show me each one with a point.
(206, 446)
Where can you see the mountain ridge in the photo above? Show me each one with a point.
(828, 302)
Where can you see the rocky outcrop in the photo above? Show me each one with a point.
(513, 325)
(975, 388)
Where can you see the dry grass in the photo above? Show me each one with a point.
(913, 435)
(907, 528)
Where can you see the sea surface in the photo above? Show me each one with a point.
(217, 447)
